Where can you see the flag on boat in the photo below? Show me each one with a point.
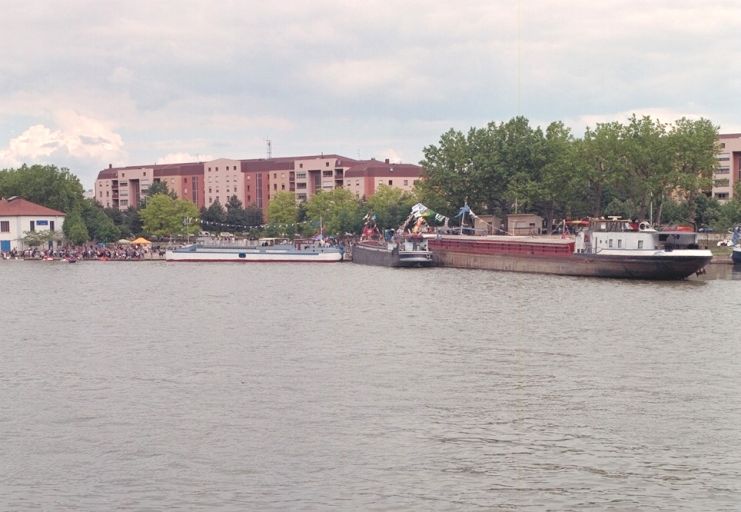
(420, 210)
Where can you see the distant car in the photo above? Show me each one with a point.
(705, 229)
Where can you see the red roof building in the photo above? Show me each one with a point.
(19, 216)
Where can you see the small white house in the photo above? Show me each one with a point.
(18, 216)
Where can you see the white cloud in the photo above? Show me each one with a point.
(72, 136)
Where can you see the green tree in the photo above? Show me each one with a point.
(47, 185)
(283, 214)
(253, 215)
(283, 208)
(693, 147)
(74, 228)
(213, 216)
(159, 187)
(555, 189)
(99, 225)
(391, 205)
(648, 176)
(337, 210)
(448, 169)
(600, 152)
(164, 216)
(236, 216)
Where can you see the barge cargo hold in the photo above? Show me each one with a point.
(605, 248)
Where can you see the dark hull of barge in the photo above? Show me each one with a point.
(557, 257)
(380, 255)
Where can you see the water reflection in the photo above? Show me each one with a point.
(722, 271)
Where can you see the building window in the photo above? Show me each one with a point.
(275, 175)
(640, 244)
(610, 244)
(300, 166)
(391, 182)
(327, 174)
(4, 226)
(300, 175)
(406, 183)
(300, 185)
(282, 186)
(275, 186)
(620, 244)
(326, 164)
(234, 168)
(145, 173)
(32, 226)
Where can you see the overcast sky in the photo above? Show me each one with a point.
(88, 83)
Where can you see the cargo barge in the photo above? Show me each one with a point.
(603, 248)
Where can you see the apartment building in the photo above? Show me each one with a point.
(364, 178)
(253, 181)
(728, 171)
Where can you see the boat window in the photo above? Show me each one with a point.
(640, 244)
(242, 255)
(620, 243)
(610, 244)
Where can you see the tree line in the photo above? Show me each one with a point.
(639, 169)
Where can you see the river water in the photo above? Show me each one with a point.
(160, 387)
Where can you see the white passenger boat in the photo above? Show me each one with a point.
(264, 250)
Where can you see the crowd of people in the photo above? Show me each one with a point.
(89, 252)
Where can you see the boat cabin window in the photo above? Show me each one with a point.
(620, 244)
(610, 244)
(640, 244)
